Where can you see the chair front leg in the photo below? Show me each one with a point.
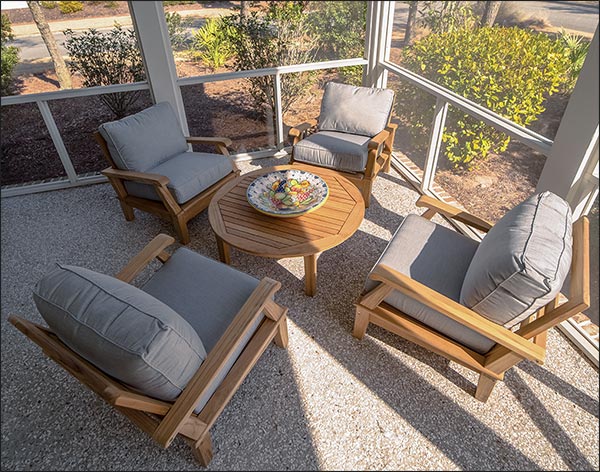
(389, 146)
(484, 387)
(121, 192)
(180, 224)
(361, 322)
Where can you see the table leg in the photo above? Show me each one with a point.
(310, 274)
(224, 251)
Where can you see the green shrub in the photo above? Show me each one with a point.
(9, 56)
(70, 7)
(577, 48)
(106, 58)
(111, 5)
(168, 2)
(510, 71)
(48, 5)
(212, 44)
(447, 16)
(278, 37)
(176, 27)
(339, 28)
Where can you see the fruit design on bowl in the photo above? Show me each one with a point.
(287, 193)
(290, 192)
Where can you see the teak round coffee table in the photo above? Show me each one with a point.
(237, 224)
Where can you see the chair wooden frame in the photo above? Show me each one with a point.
(379, 156)
(163, 420)
(528, 342)
(167, 207)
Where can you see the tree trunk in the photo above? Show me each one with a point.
(489, 13)
(411, 23)
(64, 77)
(244, 8)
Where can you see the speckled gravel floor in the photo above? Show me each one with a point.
(329, 402)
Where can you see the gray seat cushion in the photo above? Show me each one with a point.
(208, 294)
(125, 332)
(355, 110)
(142, 141)
(189, 173)
(335, 150)
(522, 263)
(438, 258)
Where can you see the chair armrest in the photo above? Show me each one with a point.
(209, 140)
(218, 141)
(200, 382)
(142, 177)
(153, 249)
(437, 206)
(377, 140)
(374, 146)
(458, 312)
(297, 131)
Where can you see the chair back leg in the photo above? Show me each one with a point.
(281, 337)
(388, 164)
(203, 450)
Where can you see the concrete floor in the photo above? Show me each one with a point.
(329, 402)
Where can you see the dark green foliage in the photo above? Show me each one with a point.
(577, 48)
(447, 16)
(106, 58)
(510, 71)
(340, 31)
(184, 2)
(9, 58)
(278, 37)
(176, 27)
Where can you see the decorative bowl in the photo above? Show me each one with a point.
(287, 193)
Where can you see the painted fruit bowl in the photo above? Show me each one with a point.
(287, 193)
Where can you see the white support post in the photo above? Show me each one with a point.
(57, 140)
(155, 45)
(378, 37)
(569, 169)
(435, 143)
(278, 112)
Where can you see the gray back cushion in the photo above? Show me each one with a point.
(144, 140)
(355, 110)
(123, 331)
(522, 263)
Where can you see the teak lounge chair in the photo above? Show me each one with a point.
(353, 134)
(168, 356)
(484, 305)
(151, 168)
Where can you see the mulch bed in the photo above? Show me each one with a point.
(226, 109)
(213, 109)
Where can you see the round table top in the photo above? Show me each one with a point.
(237, 223)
